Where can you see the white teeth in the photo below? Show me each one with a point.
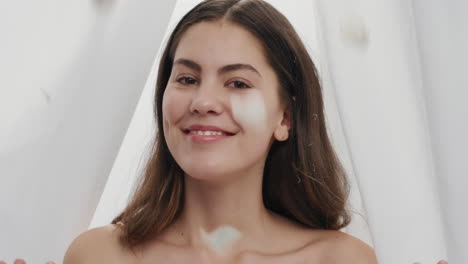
(207, 133)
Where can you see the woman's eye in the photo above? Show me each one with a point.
(186, 80)
(239, 84)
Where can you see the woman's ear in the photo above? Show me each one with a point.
(282, 131)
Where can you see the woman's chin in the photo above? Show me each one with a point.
(209, 176)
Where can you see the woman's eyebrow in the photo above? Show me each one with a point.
(237, 66)
(225, 69)
(188, 63)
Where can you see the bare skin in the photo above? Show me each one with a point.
(296, 245)
(311, 247)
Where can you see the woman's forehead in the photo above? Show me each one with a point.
(220, 43)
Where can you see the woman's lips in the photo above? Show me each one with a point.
(199, 127)
(196, 138)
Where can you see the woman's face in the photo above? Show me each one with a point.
(221, 78)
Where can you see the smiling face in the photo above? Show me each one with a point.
(221, 78)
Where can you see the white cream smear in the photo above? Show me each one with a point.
(221, 239)
(249, 110)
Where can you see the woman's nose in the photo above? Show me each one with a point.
(207, 99)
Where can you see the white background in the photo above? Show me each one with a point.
(71, 74)
(75, 109)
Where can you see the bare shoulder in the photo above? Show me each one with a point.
(97, 245)
(339, 247)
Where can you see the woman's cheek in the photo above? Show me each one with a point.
(172, 107)
(249, 110)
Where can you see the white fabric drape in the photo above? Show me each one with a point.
(395, 92)
(398, 71)
(373, 65)
(71, 74)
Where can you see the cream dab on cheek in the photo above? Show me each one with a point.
(249, 110)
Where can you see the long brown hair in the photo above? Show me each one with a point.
(303, 178)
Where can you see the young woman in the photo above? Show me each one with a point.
(242, 143)
(242, 169)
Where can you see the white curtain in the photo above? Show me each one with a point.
(398, 71)
(394, 89)
(373, 65)
(71, 74)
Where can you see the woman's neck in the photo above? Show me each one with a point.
(238, 204)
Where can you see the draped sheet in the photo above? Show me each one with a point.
(372, 63)
(71, 74)
(391, 81)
